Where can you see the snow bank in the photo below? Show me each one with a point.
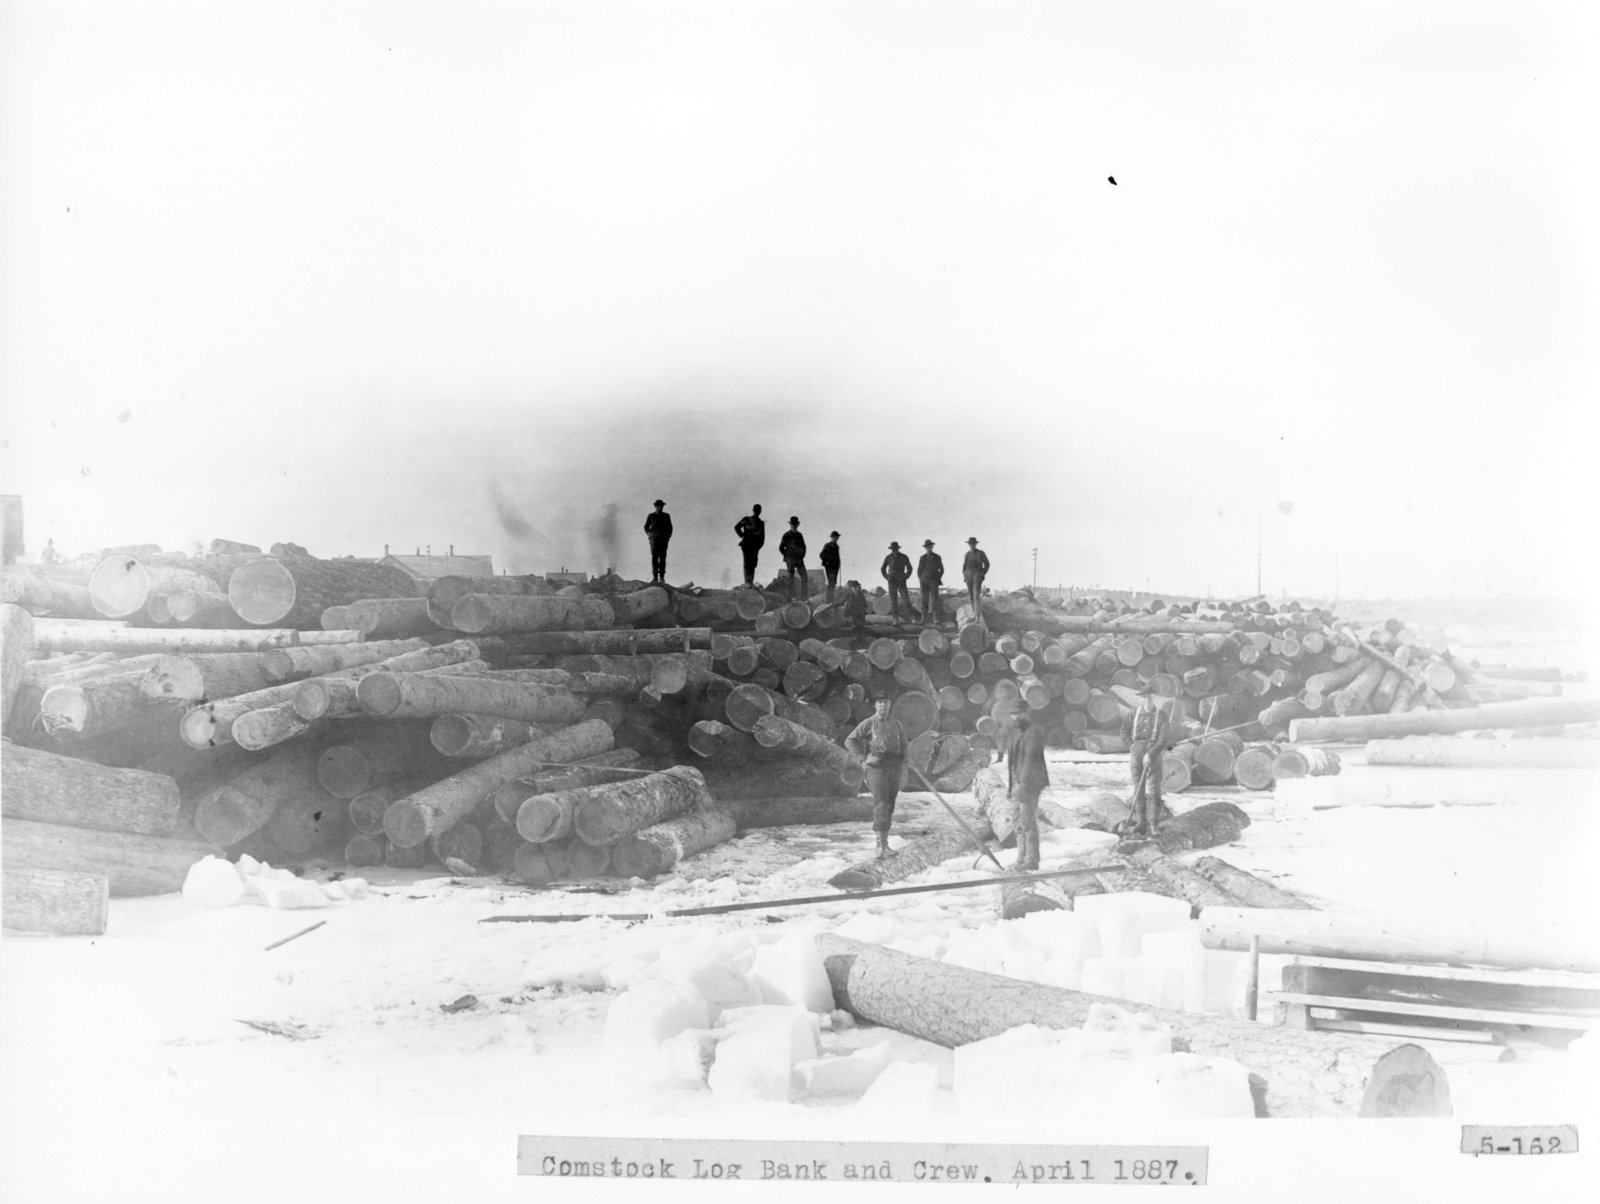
(214, 882)
(758, 1050)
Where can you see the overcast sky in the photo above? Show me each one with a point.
(343, 274)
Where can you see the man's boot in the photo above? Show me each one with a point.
(883, 845)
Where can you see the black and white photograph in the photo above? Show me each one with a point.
(815, 594)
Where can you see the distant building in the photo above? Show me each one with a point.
(427, 567)
(565, 578)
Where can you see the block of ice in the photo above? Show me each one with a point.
(288, 894)
(1067, 934)
(641, 1018)
(1184, 1086)
(1125, 917)
(718, 982)
(831, 1078)
(971, 948)
(1110, 1028)
(902, 1089)
(758, 1050)
(212, 882)
(684, 1060)
(1180, 953)
(1106, 976)
(870, 927)
(790, 971)
(620, 974)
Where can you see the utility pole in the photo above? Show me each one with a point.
(1260, 524)
(1036, 568)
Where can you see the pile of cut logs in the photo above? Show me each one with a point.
(294, 706)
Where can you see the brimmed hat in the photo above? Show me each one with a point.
(853, 584)
(755, 507)
(793, 519)
(972, 539)
(894, 545)
(658, 502)
(882, 696)
(833, 535)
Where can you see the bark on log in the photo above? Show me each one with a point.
(749, 702)
(1178, 880)
(1531, 713)
(479, 736)
(51, 789)
(679, 674)
(1518, 944)
(775, 732)
(193, 608)
(639, 604)
(1352, 699)
(917, 855)
(198, 771)
(614, 765)
(383, 753)
(653, 851)
(293, 591)
(93, 706)
(1207, 825)
(710, 738)
(390, 618)
(120, 586)
(445, 592)
(1294, 1073)
(963, 773)
(412, 820)
(132, 864)
(16, 648)
(411, 695)
(493, 613)
(603, 815)
(62, 599)
(55, 902)
(778, 778)
(267, 727)
(620, 642)
(1246, 888)
(337, 694)
(60, 636)
(781, 812)
(287, 664)
(998, 811)
(232, 812)
(207, 676)
(1501, 753)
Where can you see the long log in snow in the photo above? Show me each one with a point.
(42, 786)
(133, 864)
(56, 902)
(1294, 1073)
(60, 636)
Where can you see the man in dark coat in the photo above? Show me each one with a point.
(855, 605)
(974, 568)
(1026, 778)
(930, 575)
(880, 742)
(792, 547)
(752, 533)
(1148, 733)
(658, 530)
(829, 559)
(896, 570)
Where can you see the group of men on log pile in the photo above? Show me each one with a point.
(751, 531)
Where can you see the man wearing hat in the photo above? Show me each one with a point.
(658, 530)
(792, 547)
(855, 605)
(974, 568)
(880, 742)
(930, 574)
(1026, 778)
(829, 559)
(752, 533)
(1148, 732)
(896, 570)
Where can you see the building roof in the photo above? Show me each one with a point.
(430, 568)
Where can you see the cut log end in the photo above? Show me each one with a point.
(1406, 1082)
(405, 824)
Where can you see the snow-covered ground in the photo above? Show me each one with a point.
(130, 1073)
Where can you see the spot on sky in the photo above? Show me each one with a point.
(84, 471)
(124, 414)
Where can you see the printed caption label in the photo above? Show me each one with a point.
(1519, 1139)
(683, 1158)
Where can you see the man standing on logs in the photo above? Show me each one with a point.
(829, 559)
(974, 568)
(930, 575)
(1148, 734)
(880, 742)
(1026, 778)
(752, 533)
(896, 570)
(658, 530)
(792, 547)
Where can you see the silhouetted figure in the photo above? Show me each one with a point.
(829, 559)
(792, 547)
(658, 530)
(974, 568)
(930, 575)
(896, 570)
(752, 533)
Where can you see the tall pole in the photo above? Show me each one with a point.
(1036, 568)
